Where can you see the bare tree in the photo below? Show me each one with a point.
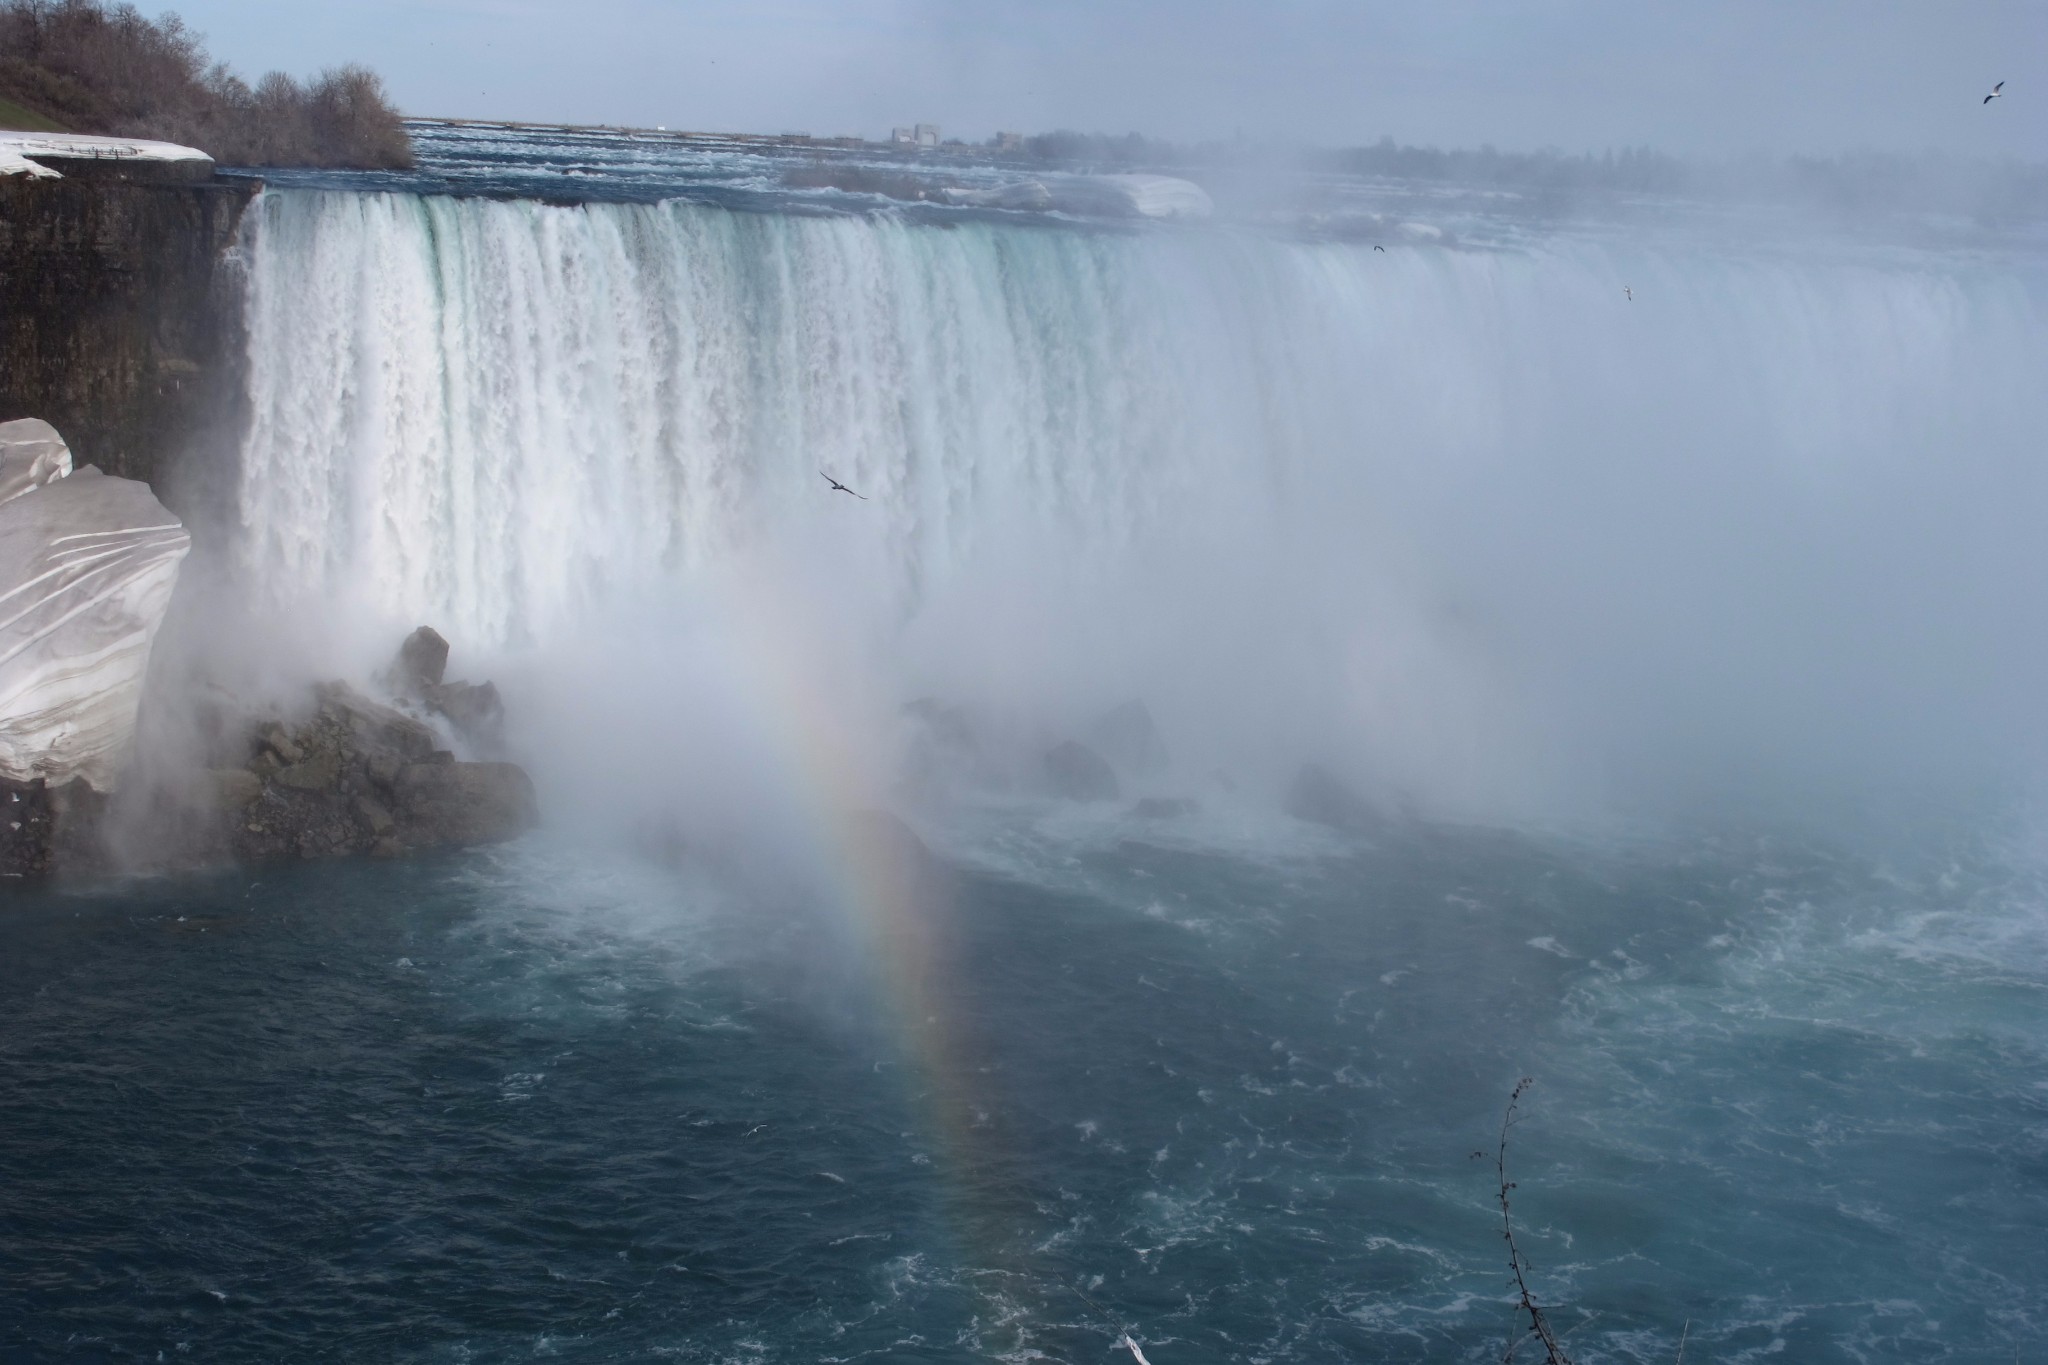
(106, 68)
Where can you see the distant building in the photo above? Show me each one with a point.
(906, 136)
(1009, 142)
(927, 134)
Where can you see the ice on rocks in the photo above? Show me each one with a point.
(87, 565)
(18, 149)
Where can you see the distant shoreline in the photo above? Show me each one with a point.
(790, 142)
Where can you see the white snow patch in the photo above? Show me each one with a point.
(17, 149)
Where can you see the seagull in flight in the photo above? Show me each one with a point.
(1628, 293)
(1996, 91)
(839, 487)
(1377, 247)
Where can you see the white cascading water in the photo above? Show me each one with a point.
(1470, 521)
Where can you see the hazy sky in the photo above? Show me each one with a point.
(1706, 76)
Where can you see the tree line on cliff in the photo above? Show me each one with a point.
(91, 67)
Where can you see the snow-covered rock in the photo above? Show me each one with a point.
(87, 564)
(31, 455)
(20, 152)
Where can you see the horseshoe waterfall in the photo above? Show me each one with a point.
(1103, 867)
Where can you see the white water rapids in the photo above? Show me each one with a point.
(1473, 524)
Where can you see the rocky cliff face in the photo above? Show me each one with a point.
(118, 321)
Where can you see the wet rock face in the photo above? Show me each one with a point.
(474, 710)
(1321, 797)
(44, 829)
(422, 660)
(463, 803)
(117, 320)
(360, 777)
(1078, 773)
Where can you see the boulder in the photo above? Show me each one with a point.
(465, 803)
(314, 775)
(1164, 807)
(358, 777)
(420, 673)
(1078, 773)
(375, 815)
(1321, 797)
(87, 565)
(948, 725)
(422, 660)
(376, 730)
(233, 789)
(474, 709)
(1126, 736)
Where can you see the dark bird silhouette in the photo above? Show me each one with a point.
(1377, 247)
(839, 487)
(1996, 91)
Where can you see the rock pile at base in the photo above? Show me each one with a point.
(1321, 797)
(1078, 773)
(87, 566)
(359, 777)
(474, 709)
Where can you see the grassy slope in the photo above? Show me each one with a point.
(18, 119)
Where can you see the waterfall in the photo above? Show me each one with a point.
(1427, 506)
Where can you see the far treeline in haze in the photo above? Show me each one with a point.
(85, 66)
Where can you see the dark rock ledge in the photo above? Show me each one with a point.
(343, 775)
(360, 777)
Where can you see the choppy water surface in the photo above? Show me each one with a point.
(518, 1105)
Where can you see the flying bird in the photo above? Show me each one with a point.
(1996, 91)
(839, 487)
(1629, 293)
(1377, 247)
